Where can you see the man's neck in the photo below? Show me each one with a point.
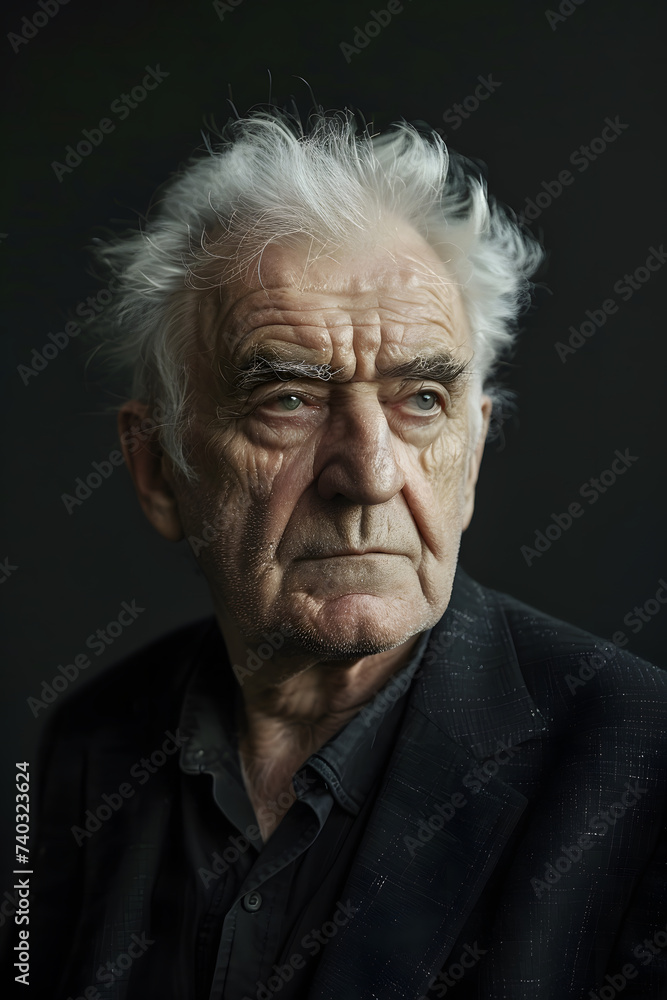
(285, 717)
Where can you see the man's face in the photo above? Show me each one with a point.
(337, 503)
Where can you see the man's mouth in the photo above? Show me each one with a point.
(343, 553)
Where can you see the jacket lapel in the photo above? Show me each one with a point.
(436, 832)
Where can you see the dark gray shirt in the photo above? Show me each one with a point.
(259, 915)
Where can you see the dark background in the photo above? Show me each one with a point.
(557, 86)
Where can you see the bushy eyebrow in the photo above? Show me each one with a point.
(262, 368)
(443, 368)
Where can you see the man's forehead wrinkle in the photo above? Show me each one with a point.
(329, 312)
(230, 320)
(347, 320)
(380, 343)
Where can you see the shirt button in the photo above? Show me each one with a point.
(252, 901)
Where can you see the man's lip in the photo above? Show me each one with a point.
(352, 552)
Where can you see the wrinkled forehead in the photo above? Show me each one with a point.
(391, 300)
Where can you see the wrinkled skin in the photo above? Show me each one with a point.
(337, 505)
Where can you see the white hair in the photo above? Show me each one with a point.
(330, 182)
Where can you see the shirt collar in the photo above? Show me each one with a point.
(352, 760)
(349, 763)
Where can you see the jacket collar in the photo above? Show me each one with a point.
(473, 688)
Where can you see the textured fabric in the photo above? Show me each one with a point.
(516, 847)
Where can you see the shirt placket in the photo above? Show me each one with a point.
(251, 929)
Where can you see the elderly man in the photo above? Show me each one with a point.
(368, 776)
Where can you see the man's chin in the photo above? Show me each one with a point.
(355, 625)
(338, 650)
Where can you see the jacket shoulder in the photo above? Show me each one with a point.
(146, 684)
(566, 667)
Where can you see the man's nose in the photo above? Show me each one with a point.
(356, 458)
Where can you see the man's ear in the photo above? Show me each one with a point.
(150, 468)
(475, 460)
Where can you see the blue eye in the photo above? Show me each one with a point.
(290, 402)
(426, 400)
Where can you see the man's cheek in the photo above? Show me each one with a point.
(437, 492)
(259, 471)
(447, 440)
(440, 495)
(230, 455)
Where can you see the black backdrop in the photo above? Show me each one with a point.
(552, 81)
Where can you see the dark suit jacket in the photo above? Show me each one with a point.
(541, 873)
